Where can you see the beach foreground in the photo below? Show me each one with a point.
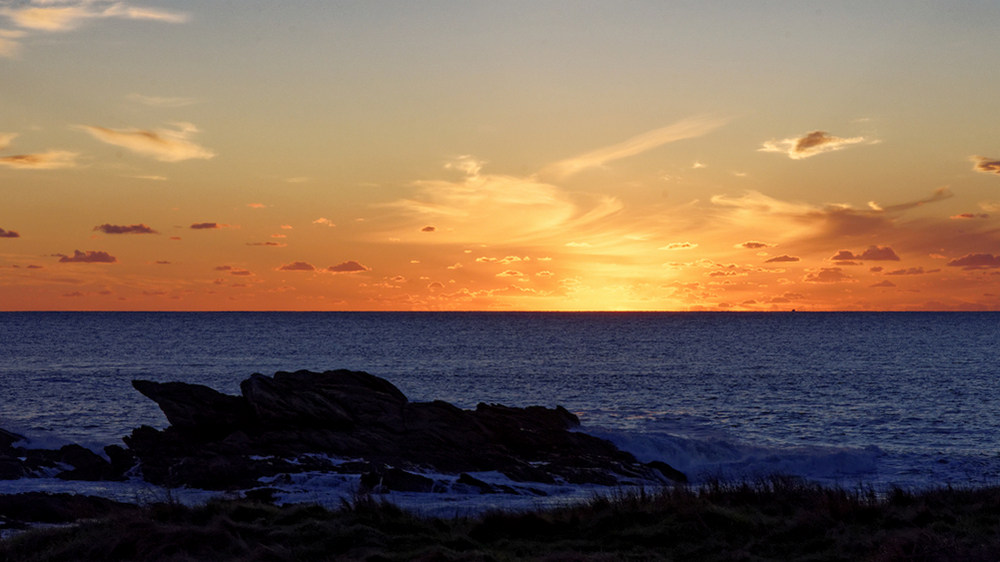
(777, 518)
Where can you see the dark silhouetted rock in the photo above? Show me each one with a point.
(87, 465)
(224, 442)
(396, 480)
(668, 471)
(197, 411)
(12, 469)
(8, 438)
(468, 480)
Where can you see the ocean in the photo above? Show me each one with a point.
(848, 399)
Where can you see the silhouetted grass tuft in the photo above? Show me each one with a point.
(775, 518)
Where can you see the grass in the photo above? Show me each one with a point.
(769, 519)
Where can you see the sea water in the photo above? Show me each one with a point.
(880, 399)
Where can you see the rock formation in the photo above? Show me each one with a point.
(293, 422)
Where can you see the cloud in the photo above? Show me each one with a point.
(9, 47)
(162, 144)
(5, 139)
(348, 267)
(873, 253)
(970, 216)
(828, 275)
(50, 160)
(782, 258)
(520, 209)
(883, 284)
(678, 246)
(154, 101)
(322, 220)
(502, 261)
(241, 272)
(274, 244)
(467, 164)
(49, 15)
(208, 226)
(9, 234)
(223, 268)
(976, 261)
(813, 225)
(297, 266)
(131, 229)
(816, 142)
(510, 273)
(428, 229)
(986, 165)
(256, 205)
(88, 257)
(686, 129)
(879, 253)
(754, 245)
(910, 271)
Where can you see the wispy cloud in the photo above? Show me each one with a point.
(784, 258)
(297, 266)
(51, 160)
(873, 253)
(686, 129)
(753, 245)
(986, 165)
(9, 234)
(811, 144)
(65, 15)
(130, 229)
(162, 144)
(157, 101)
(828, 275)
(5, 138)
(90, 256)
(9, 47)
(519, 209)
(910, 271)
(209, 226)
(679, 246)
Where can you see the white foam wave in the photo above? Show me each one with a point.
(710, 458)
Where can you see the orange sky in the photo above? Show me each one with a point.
(499, 156)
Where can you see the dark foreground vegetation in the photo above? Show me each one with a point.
(771, 519)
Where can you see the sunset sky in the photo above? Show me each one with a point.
(502, 155)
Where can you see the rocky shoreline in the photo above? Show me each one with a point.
(297, 422)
